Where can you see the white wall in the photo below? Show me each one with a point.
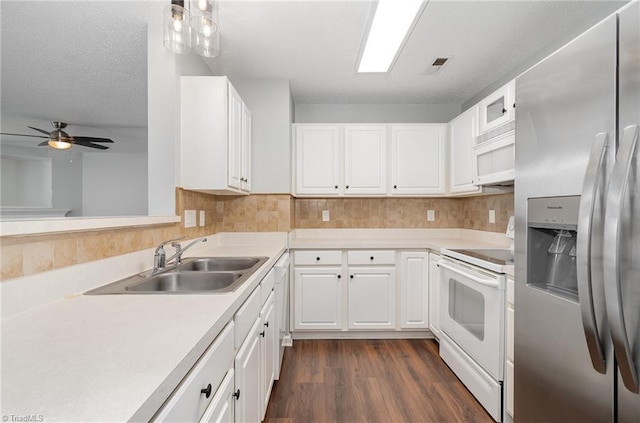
(376, 113)
(114, 184)
(269, 101)
(164, 69)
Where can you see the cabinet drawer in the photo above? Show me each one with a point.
(266, 286)
(187, 403)
(329, 257)
(371, 257)
(247, 315)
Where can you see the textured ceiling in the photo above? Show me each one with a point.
(85, 62)
(315, 44)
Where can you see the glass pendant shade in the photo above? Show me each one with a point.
(177, 29)
(59, 145)
(204, 27)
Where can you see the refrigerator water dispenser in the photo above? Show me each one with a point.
(552, 223)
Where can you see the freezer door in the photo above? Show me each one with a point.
(629, 224)
(564, 104)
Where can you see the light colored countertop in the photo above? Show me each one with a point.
(70, 357)
(114, 357)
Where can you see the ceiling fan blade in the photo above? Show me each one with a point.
(92, 139)
(43, 143)
(23, 135)
(40, 130)
(90, 145)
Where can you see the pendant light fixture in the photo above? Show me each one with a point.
(192, 25)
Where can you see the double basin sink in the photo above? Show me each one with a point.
(193, 276)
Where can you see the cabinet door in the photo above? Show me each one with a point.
(222, 407)
(318, 160)
(245, 160)
(434, 294)
(414, 290)
(372, 298)
(318, 298)
(498, 108)
(236, 124)
(418, 159)
(247, 378)
(462, 130)
(268, 342)
(365, 159)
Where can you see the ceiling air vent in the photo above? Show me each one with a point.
(436, 65)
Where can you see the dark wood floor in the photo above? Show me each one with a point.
(369, 381)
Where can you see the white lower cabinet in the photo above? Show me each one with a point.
(268, 342)
(414, 290)
(247, 377)
(317, 298)
(372, 298)
(434, 294)
(222, 407)
(195, 393)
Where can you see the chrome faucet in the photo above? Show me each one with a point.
(179, 250)
(159, 257)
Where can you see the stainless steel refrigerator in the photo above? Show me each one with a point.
(577, 244)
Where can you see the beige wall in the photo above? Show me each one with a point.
(27, 255)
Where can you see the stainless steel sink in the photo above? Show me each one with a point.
(187, 281)
(212, 264)
(201, 275)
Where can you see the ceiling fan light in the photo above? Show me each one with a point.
(59, 144)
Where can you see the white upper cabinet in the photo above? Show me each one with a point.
(318, 157)
(418, 159)
(462, 131)
(365, 164)
(215, 136)
(497, 108)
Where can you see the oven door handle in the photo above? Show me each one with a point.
(483, 281)
(588, 199)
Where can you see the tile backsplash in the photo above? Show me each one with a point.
(27, 255)
(467, 212)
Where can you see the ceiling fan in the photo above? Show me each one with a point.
(61, 140)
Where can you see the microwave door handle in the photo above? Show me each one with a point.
(488, 282)
(588, 199)
(612, 249)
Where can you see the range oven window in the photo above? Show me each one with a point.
(466, 306)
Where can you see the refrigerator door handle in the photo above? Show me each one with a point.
(612, 248)
(583, 251)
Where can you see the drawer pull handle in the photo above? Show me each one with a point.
(236, 394)
(335, 186)
(395, 187)
(262, 334)
(266, 324)
(371, 257)
(206, 392)
(317, 258)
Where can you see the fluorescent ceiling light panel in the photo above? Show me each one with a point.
(389, 28)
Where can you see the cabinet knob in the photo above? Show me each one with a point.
(317, 258)
(395, 187)
(371, 257)
(336, 187)
(236, 394)
(347, 186)
(504, 111)
(266, 324)
(351, 276)
(339, 276)
(246, 180)
(207, 391)
(262, 334)
(514, 105)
